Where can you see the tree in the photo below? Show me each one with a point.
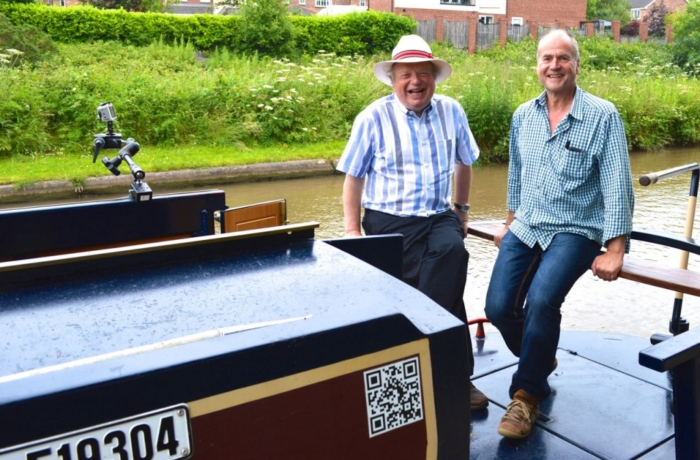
(609, 10)
(656, 18)
(267, 29)
(686, 37)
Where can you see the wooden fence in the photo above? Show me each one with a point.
(457, 33)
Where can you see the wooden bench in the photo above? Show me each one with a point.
(675, 279)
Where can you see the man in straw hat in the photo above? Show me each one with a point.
(405, 149)
(569, 193)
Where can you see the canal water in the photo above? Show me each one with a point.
(622, 306)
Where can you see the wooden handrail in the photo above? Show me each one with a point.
(674, 279)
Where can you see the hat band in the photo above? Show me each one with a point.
(413, 54)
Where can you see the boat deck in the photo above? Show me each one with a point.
(603, 405)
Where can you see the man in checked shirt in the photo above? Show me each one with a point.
(569, 194)
(405, 149)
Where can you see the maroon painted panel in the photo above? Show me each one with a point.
(326, 420)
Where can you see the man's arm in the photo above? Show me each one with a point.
(607, 265)
(352, 196)
(463, 183)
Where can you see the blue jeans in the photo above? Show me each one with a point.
(524, 298)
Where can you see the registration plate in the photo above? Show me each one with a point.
(159, 435)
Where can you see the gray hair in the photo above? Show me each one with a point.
(562, 34)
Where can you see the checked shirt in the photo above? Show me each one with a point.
(575, 180)
(408, 161)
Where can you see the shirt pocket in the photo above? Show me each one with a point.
(573, 168)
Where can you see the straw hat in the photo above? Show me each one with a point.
(412, 48)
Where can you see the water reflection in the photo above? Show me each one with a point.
(619, 307)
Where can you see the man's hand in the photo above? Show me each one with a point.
(607, 266)
(499, 236)
(353, 233)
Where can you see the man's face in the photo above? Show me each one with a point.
(556, 66)
(414, 84)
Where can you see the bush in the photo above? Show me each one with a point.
(266, 28)
(359, 33)
(30, 41)
(631, 29)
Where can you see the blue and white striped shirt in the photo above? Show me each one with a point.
(575, 180)
(408, 161)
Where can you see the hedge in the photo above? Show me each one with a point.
(357, 33)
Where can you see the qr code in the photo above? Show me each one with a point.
(393, 395)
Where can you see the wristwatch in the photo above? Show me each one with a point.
(462, 207)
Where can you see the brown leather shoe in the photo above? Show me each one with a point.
(477, 400)
(520, 415)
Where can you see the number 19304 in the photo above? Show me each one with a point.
(160, 435)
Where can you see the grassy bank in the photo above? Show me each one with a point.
(27, 169)
(190, 110)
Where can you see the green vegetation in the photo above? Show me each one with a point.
(155, 6)
(266, 28)
(364, 33)
(687, 37)
(194, 109)
(165, 95)
(29, 40)
(27, 169)
(608, 10)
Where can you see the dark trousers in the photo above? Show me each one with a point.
(435, 259)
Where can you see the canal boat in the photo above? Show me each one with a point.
(172, 327)
(134, 328)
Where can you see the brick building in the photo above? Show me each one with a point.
(568, 13)
(640, 8)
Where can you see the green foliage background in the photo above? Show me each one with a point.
(608, 10)
(200, 91)
(687, 37)
(266, 28)
(364, 33)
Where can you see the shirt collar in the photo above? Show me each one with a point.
(576, 109)
(404, 110)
